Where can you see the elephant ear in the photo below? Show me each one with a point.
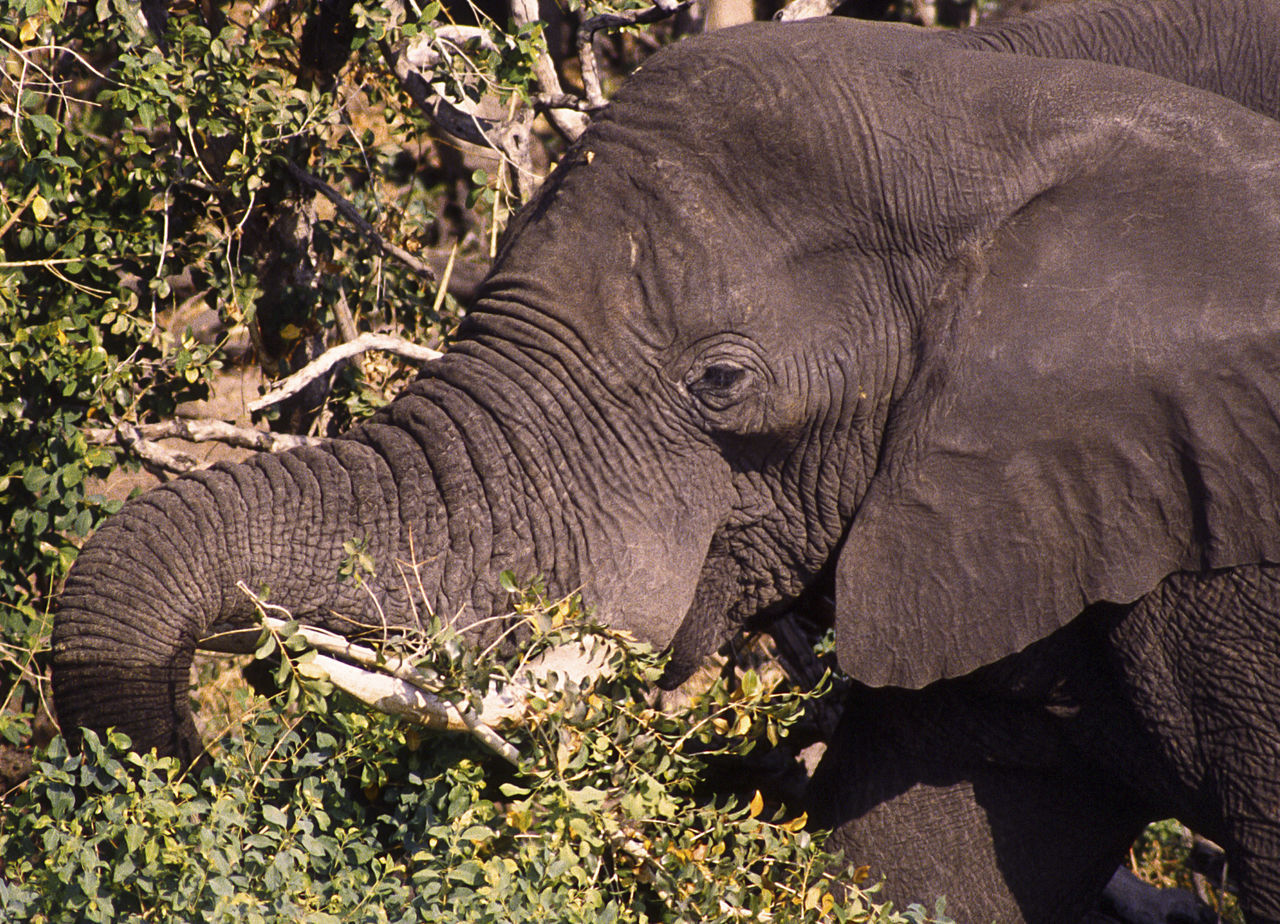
(1096, 405)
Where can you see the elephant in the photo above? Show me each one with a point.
(1229, 48)
(976, 340)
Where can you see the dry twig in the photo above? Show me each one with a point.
(203, 431)
(805, 9)
(566, 118)
(395, 686)
(331, 357)
(154, 454)
(352, 214)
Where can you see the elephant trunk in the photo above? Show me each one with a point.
(166, 572)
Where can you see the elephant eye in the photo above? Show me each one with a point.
(721, 377)
(719, 384)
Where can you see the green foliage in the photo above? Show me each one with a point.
(1160, 856)
(317, 810)
(138, 183)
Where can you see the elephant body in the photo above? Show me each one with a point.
(1031, 778)
(986, 342)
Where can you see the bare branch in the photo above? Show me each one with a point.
(153, 453)
(460, 124)
(352, 214)
(805, 9)
(391, 685)
(398, 697)
(204, 431)
(331, 357)
(567, 120)
(394, 685)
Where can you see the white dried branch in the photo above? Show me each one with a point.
(805, 9)
(399, 697)
(204, 431)
(567, 120)
(505, 702)
(343, 351)
(423, 52)
(392, 685)
(154, 454)
(395, 686)
(467, 126)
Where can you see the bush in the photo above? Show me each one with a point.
(317, 810)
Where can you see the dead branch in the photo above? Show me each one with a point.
(567, 119)
(154, 454)
(390, 685)
(202, 431)
(464, 125)
(805, 9)
(352, 214)
(395, 686)
(331, 357)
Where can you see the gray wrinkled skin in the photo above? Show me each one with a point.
(986, 341)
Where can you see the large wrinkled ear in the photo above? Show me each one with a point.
(1095, 406)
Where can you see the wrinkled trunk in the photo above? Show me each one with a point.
(464, 476)
(163, 574)
(412, 492)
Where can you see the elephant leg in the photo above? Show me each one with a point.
(1200, 658)
(1000, 843)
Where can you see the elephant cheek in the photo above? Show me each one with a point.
(652, 589)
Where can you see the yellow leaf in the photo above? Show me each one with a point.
(797, 823)
(861, 874)
(757, 805)
(40, 208)
(29, 30)
(291, 332)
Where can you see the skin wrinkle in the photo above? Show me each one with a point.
(1187, 42)
(585, 378)
(423, 545)
(412, 418)
(599, 429)
(1189, 632)
(232, 511)
(301, 491)
(162, 551)
(528, 464)
(466, 493)
(205, 506)
(603, 441)
(373, 524)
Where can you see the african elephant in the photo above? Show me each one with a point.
(1230, 47)
(984, 341)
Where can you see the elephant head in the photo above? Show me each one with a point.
(983, 338)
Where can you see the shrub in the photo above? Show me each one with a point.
(315, 809)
